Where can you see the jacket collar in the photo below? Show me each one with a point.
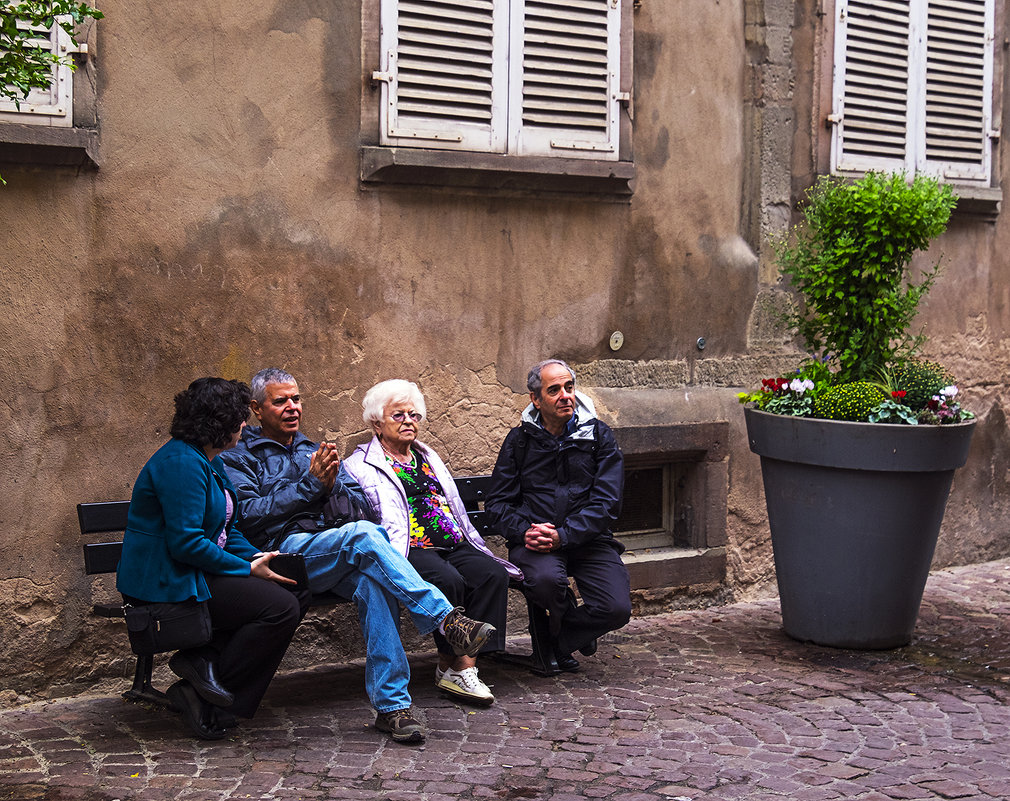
(252, 438)
(581, 426)
(376, 457)
(216, 464)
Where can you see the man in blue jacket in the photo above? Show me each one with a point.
(283, 481)
(555, 493)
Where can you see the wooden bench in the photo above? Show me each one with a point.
(103, 557)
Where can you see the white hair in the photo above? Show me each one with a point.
(395, 390)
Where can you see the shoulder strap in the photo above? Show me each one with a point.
(519, 452)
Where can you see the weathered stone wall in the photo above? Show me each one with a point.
(226, 230)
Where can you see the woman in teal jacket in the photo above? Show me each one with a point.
(181, 543)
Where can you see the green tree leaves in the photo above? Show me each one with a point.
(23, 64)
(850, 261)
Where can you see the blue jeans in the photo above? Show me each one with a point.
(356, 561)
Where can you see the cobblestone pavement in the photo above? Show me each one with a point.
(703, 705)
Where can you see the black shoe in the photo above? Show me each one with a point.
(566, 662)
(589, 648)
(195, 711)
(199, 672)
(222, 718)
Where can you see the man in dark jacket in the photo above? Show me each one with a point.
(555, 493)
(283, 481)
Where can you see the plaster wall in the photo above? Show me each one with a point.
(226, 230)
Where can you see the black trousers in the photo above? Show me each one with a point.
(254, 620)
(603, 583)
(470, 579)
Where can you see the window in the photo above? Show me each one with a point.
(513, 77)
(54, 104)
(646, 519)
(912, 88)
(673, 515)
(58, 125)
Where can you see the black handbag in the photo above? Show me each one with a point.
(340, 508)
(156, 628)
(343, 507)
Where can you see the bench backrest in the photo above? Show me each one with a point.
(472, 490)
(102, 518)
(110, 516)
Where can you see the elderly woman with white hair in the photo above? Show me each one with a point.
(410, 487)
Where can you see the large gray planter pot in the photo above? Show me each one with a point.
(855, 511)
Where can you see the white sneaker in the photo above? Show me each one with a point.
(464, 684)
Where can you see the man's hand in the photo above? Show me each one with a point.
(542, 537)
(324, 464)
(260, 567)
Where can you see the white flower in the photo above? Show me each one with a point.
(801, 385)
(949, 392)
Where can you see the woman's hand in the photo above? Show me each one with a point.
(260, 567)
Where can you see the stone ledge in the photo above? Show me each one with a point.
(673, 442)
(744, 370)
(46, 145)
(623, 373)
(978, 201)
(492, 171)
(676, 567)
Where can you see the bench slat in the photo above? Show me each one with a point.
(481, 522)
(99, 518)
(472, 490)
(101, 557)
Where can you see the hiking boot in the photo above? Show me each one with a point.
(401, 725)
(464, 685)
(466, 636)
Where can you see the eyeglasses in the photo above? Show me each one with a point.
(399, 417)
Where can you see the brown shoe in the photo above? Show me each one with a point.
(466, 636)
(401, 725)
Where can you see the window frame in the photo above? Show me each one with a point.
(547, 141)
(691, 549)
(74, 140)
(53, 105)
(977, 196)
(411, 161)
(662, 503)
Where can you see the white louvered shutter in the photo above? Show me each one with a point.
(564, 78)
(871, 86)
(912, 87)
(958, 85)
(53, 105)
(444, 68)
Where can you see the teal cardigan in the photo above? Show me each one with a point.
(176, 514)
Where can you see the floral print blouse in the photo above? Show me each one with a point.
(431, 522)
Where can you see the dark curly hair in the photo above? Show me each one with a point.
(210, 411)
